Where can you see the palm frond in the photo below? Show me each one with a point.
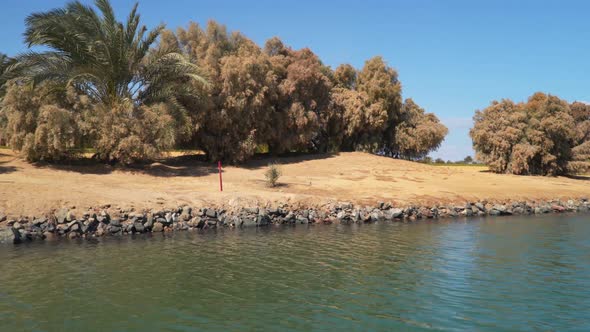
(110, 60)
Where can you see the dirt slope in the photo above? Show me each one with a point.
(356, 177)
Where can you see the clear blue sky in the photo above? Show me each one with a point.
(453, 57)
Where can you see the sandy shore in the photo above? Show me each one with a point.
(355, 177)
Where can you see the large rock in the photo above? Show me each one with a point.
(39, 221)
(114, 229)
(500, 210)
(163, 221)
(290, 217)
(376, 215)
(397, 213)
(60, 216)
(426, 213)
(9, 235)
(201, 222)
(211, 213)
(186, 213)
(158, 227)
(252, 210)
(104, 217)
(149, 222)
(70, 216)
(248, 222)
(263, 220)
(459, 208)
(388, 214)
(169, 218)
(74, 226)
(91, 225)
(302, 220)
(244, 221)
(495, 212)
(480, 206)
(345, 205)
(557, 208)
(116, 222)
(129, 227)
(451, 212)
(236, 221)
(181, 225)
(101, 229)
(61, 228)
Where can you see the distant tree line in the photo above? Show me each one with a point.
(544, 136)
(465, 161)
(131, 94)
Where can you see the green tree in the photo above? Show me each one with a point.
(345, 76)
(418, 132)
(380, 84)
(497, 129)
(351, 128)
(5, 64)
(39, 123)
(536, 137)
(236, 115)
(426, 160)
(368, 104)
(468, 160)
(111, 62)
(581, 150)
(303, 96)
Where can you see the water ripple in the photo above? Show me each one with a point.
(497, 274)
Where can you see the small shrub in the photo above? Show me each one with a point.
(272, 174)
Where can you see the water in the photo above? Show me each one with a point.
(495, 274)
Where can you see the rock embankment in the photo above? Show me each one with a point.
(73, 223)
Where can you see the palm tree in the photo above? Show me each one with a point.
(109, 61)
(5, 62)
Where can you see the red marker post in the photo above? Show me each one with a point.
(220, 179)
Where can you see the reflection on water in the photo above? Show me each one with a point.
(495, 274)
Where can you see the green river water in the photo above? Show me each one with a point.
(493, 274)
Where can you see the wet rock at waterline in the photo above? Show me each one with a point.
(112, 221)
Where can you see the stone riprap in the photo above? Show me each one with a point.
(75, 223)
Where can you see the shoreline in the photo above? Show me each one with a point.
(72, 223)
(308, 180)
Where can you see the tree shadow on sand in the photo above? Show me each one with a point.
(579, 177)
(262, 160)
(190, 165)
(7, 169)
(4, 169)
(571, 176)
